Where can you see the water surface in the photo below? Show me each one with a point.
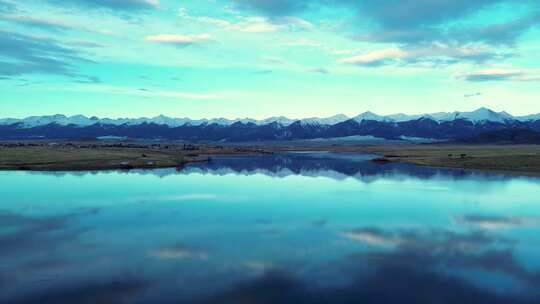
(291, 228)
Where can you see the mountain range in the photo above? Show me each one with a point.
(440, 126)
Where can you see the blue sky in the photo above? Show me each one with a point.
(260, 58)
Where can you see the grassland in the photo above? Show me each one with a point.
(77, 157)
(512, 158)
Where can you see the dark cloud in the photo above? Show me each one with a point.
(119, 291)
(6, 6)
(273, 7)
(395, 14)
(22, 54)
(412, 22)
(495, 75)
(111, 4)
(35, 234)
(390, 284)
(419, 21)
(42, 24)
(319, 71)
(499, 33)
(474, 250)
(263, 72)
(472, 95)
(320, 223)
(418, 270)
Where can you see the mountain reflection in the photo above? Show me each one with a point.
(328, 164)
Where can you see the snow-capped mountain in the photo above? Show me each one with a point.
(478, 116)
(438, 126)
(532, 117)
(332, 120)
(371, 116)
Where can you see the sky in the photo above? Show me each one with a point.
(262, 58)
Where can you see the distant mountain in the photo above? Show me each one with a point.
(438, 126)
(506, 136)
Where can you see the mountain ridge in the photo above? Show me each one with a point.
(476, 116)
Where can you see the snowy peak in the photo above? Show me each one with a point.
(476, 116)
(371, 116)
(332, 120)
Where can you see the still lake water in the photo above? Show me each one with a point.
(294, 228)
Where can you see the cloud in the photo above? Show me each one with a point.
(498, 222)
(372, 236)
(44, 24)
(177, 251)
(408, 284)
(472, 95)
(319, 71)
(124, 290)
(108, 89)
(252, 24)
(190, 197)
(6, 7)
(420, 21)
(273, 7)
(42, 234)
(435, 54)
(263, 72)
(22, 54)
(414, 13)
(112, 4)
(500, 33)
(179, 40)
(259, 266)
(274, 60)
(411, 22)
(500, 75)
(434, 241)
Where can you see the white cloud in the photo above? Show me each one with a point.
(255, 25)
(497, 74)
(498, 222)
(377, 56)
(177, 252)
(178, 40)
(252, 24)
(370, 237)
(432, 53)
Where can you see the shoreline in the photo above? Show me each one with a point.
(99, 156)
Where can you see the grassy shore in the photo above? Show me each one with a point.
(510, 158)
(96, 156)
(519, 159)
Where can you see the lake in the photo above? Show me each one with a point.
(287, 228)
